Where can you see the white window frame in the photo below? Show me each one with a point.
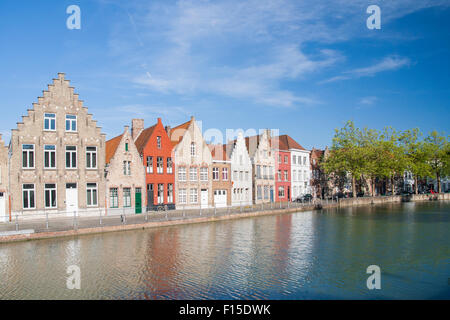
(182, 174)
(93, 155)
(193, 175)
(160, 193)
(149, 166)
(225, 174)
(160, 165)
(50, 152)
(170, 192)
(71, 121)
(204, 174)
(90, 195)
(49, 190)
(215, 173)
(193, 149)
(27, 157)
(71, 157)
(182, 197)
(29, 191)
(193, 195)
(169, 165)
(51, 118)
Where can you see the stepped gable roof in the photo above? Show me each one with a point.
(111, 147)
(143, 137)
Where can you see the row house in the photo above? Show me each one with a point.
(125, 174)
(241, 172)
(193, 162)
(300, 167)
(319, 181)
(282, 168)
(221, 180)
(155, 148)
(57, 155)
(263, 164)
(4, 194)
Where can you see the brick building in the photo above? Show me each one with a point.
(282, 169)
(155, 148)
(193, 160)
(125, 175)
(221, 176)
(57, 155)
(4, 194)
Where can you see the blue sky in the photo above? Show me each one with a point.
(303, 67)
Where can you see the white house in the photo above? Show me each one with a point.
(241, 172)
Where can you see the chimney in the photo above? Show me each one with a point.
(167, 128)
(137, 125)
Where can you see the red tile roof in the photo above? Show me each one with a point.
(287, 142)
(111, 147)
(143, 137)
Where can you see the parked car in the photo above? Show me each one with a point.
(304, 198)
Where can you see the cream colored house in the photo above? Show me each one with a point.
(57, 156)
(125, 175)
(193, 160)
(263, 166)
(4, 194)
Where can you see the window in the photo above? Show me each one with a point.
(149, 164)
(91, 191)
(294, 175)
(182, 196)
(266, 192)
(49, 121)
(169, 165)
(286, 160)
(91, 157)
(279, 158)
(158, 142)
(193, 196)
(304, 161)
(126, 146)
(258, 193)
(28, 156)
(160, 193)
(50, 195)
(127, 197)
(182, 173)
(215, 173)
(235, 175)
(193, 174)
(170, 193)
(113, 198)
(294, 159)
(241, 175)
(71, 157)
(281, 192)
(286, 178)
(127, 168)
(246, 175)
(71, 123)
(279, 175)
(28, 196)
(258, 172)
(204, 174)
(271, 172)
(265, 172)
(49, 156)
(159, 165)
(224, 174)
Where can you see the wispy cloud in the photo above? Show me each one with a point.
(389, 63)
(368, 100)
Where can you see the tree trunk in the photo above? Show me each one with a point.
(438, 181)
(354, 186)
(416, 189)
(392, 185)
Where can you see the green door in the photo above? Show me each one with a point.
(138, 201)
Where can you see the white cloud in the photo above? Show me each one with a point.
(368, 100)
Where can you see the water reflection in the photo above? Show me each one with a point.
(307, 255)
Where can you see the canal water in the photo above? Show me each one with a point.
(306, 255)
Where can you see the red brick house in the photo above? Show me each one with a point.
(282, 169)
(155, 148)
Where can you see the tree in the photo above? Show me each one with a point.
(346, 153)
(415, 155)
(437, 147)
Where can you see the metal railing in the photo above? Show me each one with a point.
(52, 221)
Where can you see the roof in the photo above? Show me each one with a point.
(143, 137)
(287, 142)
(218, 152)
(111, 147)
(181, 128)
(281, 142)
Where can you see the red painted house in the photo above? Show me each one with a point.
(155, 148)
(282, 169)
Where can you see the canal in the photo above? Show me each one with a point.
(306, 255)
